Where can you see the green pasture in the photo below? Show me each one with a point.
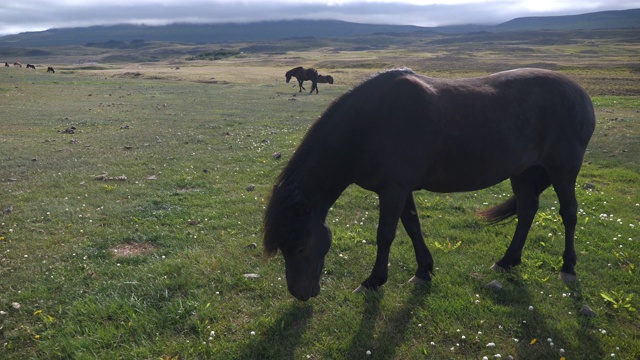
(167, 263)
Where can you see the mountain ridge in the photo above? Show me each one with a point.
(287, 29)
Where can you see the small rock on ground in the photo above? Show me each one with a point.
(494, 285)
(586, 311)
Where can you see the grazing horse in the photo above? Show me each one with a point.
(50, 69)
(325, 79)
(399, 132)
(302, 74)
(29, 66)
(6, 64)
(17, 64)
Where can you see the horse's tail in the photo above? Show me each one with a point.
(509, 208)
(500, 212)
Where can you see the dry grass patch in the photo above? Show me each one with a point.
(132, 249)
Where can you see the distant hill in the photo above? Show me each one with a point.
(598, 20)
(279, 30)
(201, 33)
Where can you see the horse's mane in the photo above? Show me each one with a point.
(292, 71)
(287, 216)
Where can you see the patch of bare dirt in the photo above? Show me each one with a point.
(132, 249)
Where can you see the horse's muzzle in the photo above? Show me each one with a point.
(304, 293)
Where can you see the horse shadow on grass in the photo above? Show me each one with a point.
(281, 339)
(382, 334)
(539, 335)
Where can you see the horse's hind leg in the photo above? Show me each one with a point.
(565, 190)
(526, 188)
(314, 85)
(411, 223)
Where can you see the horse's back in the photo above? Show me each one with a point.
(560, 105)
(527, 99)
(460, 135)
(311, 74)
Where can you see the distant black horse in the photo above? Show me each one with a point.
(6, 64)
(50, 69)
(29, 66)
(399, 132)
(302, 74)
(325, 79)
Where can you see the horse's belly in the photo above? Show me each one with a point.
(460, 176)
(459, 184)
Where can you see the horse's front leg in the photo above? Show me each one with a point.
(411, 223)
(391, 205)
(300, 85)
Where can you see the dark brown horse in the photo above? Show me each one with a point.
(325, 79)
(51, 70)
(301, 74)
(399, 132)
(29, 66)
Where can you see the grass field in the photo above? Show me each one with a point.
(167, 264)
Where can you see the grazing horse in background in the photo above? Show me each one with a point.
(17, 64)
(399, 132)
(50, 69)
(301, 74)
(325, 79)
(6, 64)
(29, 66)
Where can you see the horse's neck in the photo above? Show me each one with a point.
(320, 186)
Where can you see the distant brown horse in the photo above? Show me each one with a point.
(17, 64)
(29, 66)
(302, 74)
(325, 79)
(50, 69)
(399, 132)
(6, 64)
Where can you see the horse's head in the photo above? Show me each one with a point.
(303, 238)
(288, 76)
(304, 262)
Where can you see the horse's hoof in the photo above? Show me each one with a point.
(417, 281)
(360, 289)
(497, 268)
(566, 277)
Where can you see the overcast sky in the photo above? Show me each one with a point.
(35, 15)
